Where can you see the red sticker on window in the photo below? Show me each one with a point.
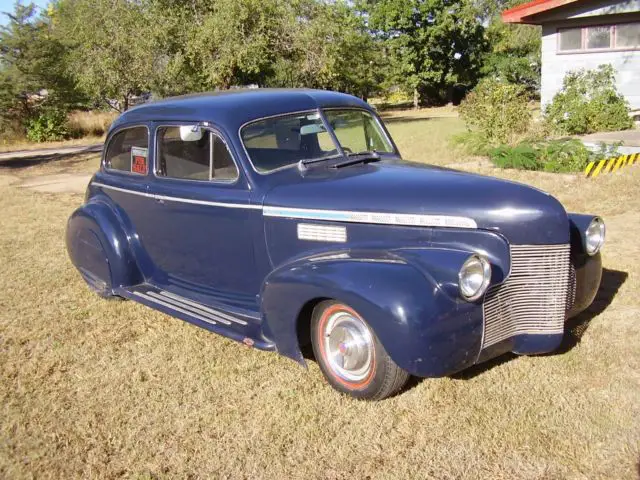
(139, 160)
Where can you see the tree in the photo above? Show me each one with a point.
(32, 67)
(305, 43)
(113, 52)
(237, 41)
(435, 45)
(514, 55)
(331, 49)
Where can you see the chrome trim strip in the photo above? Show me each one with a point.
(371, 217)
(173, 307)
(205, 202)
(210, 310)
(378, 218)
(322, 233)
(178, 199)
(187, 307)
(125, 190)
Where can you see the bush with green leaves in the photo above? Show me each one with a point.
(562, 156)
(49, 125)
(588, 102)
(497, 110)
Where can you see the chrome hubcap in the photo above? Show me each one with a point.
(349, 346)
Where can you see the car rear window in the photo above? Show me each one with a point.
(128, 151)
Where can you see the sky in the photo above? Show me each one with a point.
(7, 6)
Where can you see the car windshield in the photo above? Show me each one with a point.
(281, 141)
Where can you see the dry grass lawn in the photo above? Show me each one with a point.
(105, 389)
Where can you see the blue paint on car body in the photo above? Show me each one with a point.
(198, 250)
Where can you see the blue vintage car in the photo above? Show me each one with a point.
(283, 218)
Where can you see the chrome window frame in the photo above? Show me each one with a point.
(103, 161)
(320, 111)
(212, 131)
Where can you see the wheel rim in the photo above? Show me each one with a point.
(348, 346)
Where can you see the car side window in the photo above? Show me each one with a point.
(128, 151)
(196, 155)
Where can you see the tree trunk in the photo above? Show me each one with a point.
(125, 103)
(416, 99)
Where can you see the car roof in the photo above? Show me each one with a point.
(231, 109)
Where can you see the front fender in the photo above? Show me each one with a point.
(425, 329)
(99, 248)
(587, 268)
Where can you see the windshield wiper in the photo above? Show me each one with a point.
(302, 164)
(358, 157)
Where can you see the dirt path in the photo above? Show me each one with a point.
(51, 151)
(58, 183)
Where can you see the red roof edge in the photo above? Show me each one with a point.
(521, 13)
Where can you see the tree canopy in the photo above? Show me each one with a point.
(109, 52)
(435, 45)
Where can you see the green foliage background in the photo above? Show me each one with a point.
(110, 53)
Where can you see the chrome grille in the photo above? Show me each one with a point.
(533, 299)
(571, 293)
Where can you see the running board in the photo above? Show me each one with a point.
(184, 305)
(246, 331)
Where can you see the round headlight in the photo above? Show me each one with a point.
(594, 236)
(474, 277)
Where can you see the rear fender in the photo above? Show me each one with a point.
(99, 248)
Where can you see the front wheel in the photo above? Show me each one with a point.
(350, 355)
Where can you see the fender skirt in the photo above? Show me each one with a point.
(99, 248)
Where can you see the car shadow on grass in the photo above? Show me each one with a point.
(610, 284)
(575, 327)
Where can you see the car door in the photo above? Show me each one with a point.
(201, 245)
(124, 177)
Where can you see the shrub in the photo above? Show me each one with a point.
(523, 156)
(564, 155)
(587, 103)
(49, 125)
(498, 110)
(474, 143)
(568, 155)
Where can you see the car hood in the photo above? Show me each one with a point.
(523, 214)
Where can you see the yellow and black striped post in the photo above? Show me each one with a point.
(610, 164)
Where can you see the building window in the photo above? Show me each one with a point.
(600, 37)
(570, 39)
(628, 35)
